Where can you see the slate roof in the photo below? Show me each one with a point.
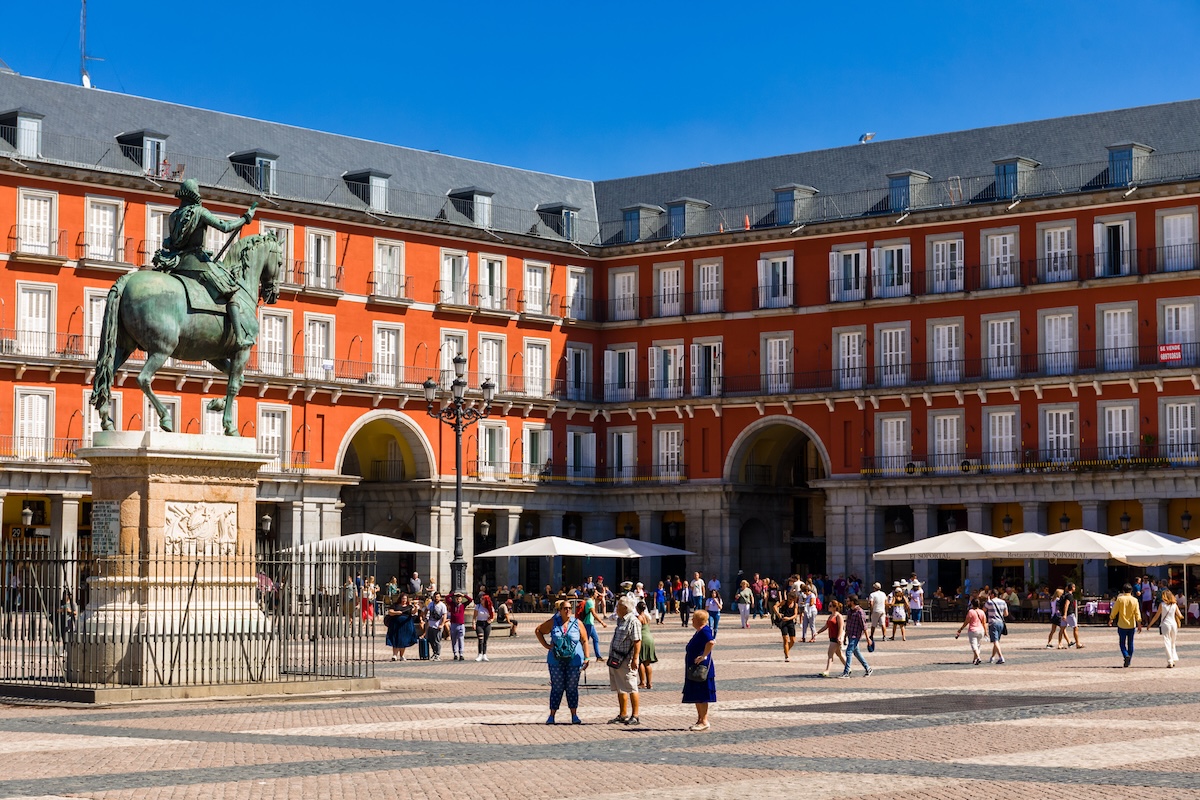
(95, 114)
(1168, 128)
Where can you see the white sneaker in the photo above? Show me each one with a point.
(485, 658)
(479, 657)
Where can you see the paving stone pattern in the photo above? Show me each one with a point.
(1048, 723)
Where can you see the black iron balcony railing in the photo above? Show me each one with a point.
(284, 462)
(37, 240)
(539, 304)
(1133, 456)
(319, 275)
(39, 449)
(103, 248)
(389, 287)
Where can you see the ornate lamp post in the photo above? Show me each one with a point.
(458, 416)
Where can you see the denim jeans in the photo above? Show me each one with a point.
(916, 614)
(594, 638)
(758, 606)
(852, 650)
(714, 619)
(1125, 638)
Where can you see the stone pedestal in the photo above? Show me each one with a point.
(173, 531)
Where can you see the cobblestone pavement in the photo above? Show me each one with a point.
(1047, 723)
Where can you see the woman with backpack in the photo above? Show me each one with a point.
(566, 657)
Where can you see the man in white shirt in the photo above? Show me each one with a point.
(698, 593)
(878, 602)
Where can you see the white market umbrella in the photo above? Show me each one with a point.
(363, 542)
(1187, 552)
(1077, 544)
(550, 547)
(1151, 538)
(956, 545)
(636, 548)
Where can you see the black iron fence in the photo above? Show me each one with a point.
(179, 617)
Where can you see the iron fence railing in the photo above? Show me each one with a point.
(1145, 454)
(181, 616)
(389, 286)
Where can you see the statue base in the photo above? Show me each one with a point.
(175, 598)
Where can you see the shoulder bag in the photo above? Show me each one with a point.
(698, 673)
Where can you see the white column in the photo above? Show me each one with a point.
(64, 523)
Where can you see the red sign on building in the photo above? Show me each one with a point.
(1170, 352)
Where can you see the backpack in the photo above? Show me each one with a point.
(563, 647)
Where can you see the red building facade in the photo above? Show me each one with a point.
(780, 365)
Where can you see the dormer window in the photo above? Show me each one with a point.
(473, 203)
(1125, 162)
(147, 149)
(640, 221)
(22, 129)
(1011, 174)
(370, 186)
(904, 189)
(560, 218)
(677, 219)
(257, 168)
(789, 203)
(682, 215)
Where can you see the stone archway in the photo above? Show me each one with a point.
(756, 552)
(394, 463)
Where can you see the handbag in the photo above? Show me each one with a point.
(615, 659)
(1003, 628)
(697, 673)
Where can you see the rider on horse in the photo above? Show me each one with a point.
(183, 254)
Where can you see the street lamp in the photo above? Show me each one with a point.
(458, 416)
(1186, 520)
(628, 530)
(1125, 521)
(1064, 520)
(27, 516)
(1007, 522)
(266, 526)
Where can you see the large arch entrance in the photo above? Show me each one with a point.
(772, 466)
(394, 461)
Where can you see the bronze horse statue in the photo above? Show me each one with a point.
(149, 310)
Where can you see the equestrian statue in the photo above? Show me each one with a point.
(192, 306)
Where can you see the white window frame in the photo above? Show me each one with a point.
(454, 281)
(389, 277)
(891, 370)
(446, 358)
(29, 137)
(850, 361)
(893, 454)
(705, 367)
(270, 363)
(708, 281)
(212, 423)
(1118, 442)
(96, 250)
(1104, 266)
(1179, 442)
(1177, 248)
(320, 367)
(944, 255)
(668, 289)
(95, 302)
(1118, 353)
(320, 273)
(669, 461)
(848, 273)
(283, 454)
(1059, 446)
(30, 340)
(497, 372)
(623, 290)
(492, 466)
(174, 403)
(777, 380)
(891, 269)
(491, 271)
(623, 470)
(158, 228)
(1002, 359)
(537, 298)
(776, 279)
(29, 445)
(382, 372)
(91, 417)
(665, 370)
(537, 382)
(579, 371)
(540, 464)
(946, 349)
(30, 235)
(996, 456)
(1181, 309)
(615, 389)
(581, 455)
(1000, 253)
(579, 293)
(947, 439)
(1053, 325)
(1057, 246)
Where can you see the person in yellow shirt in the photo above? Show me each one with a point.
(1128, 614)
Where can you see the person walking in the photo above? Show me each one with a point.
(898, 604)
(785, 614)
(758, 587)
(834, 624)
(713, 606)
(995, 610)
(700, 689)
(685, 604)
(878, 601)
(647, 658)
(1055, 618)
(808, 619)
(976, 625)
(589, 618)
(401, 622)
(1128, 615)
(916, 599)
(660, 603)
(437, 622)
(856, 624)
(566, 657)
(485, 612)
(1070, 620)
(623, 653)
(1168, 616)
(745, 599)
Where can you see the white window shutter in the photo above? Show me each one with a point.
(715, 376)
(764, 282)
(609, 355)
(570, 366)
(589, 450)
(834, 263)
(654, 359)
(907, 264)
(694, 368)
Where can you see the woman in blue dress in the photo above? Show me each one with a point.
(699, 651)
(566, 656)
(401, 622)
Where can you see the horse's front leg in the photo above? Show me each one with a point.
(237, 371)
(145, 379)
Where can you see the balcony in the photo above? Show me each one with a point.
(647, 474)
(103, 252)
(39, 450)
(284, 462)
(512, 472)
(1123, 458)
(481, 297)
(319, 278)
(389, 288)
(38, 244)
(539, 305)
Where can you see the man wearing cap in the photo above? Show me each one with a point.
(183, 252)
(624, 651)
(878, 601)
(1128, 614)
(916, 599)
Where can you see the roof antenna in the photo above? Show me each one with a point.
(84, 77)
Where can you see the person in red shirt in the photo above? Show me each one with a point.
(833, 624)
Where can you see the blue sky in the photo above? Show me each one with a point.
(611, 89)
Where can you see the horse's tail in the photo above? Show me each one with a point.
(103, 380)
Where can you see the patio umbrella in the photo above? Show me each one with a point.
(1077, 544)
(363, 542)
(549, 546)
(636, 548)
(956, 545)
(1151, 538)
